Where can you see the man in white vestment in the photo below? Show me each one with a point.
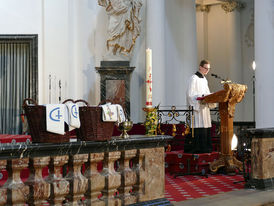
(197, 88)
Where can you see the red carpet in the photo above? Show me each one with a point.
(193, 186)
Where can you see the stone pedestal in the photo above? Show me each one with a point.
(154, 184)
(115, 82)
(262, 158)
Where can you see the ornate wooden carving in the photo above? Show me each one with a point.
(227, 99)
(230, 6)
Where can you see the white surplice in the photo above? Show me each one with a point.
(198, 87)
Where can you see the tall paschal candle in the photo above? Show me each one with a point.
(148, 78)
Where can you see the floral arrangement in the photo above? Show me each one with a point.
(151, 121)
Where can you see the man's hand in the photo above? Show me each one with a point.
(203, 102)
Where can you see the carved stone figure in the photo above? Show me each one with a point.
(124, 25)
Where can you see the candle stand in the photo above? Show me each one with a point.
(151, 121)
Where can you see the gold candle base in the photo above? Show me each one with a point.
(151, 121)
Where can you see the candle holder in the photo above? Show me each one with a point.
(151, 121)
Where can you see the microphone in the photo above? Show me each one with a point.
(222, 80)
(214, 75)
(217, 77)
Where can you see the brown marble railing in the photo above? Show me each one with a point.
(74, 178)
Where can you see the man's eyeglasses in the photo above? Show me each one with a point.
(206, 68)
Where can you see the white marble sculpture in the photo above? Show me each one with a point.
(123, 27)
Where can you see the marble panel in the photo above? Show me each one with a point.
(262, 157)
(154, 174)
(116, 91)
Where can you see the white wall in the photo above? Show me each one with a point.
(67, 42)
(71, 43)
(87, 35)
(222, 40)
(56, 49)
(17, 17)
(169, 29)
(202, 35)
(181, 49)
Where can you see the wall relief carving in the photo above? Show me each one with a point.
(231, 5)
(249, 34)
(123, 27)
(202, 8)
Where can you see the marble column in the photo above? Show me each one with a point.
(155, 40)
(234, 53)
(264, 53)
(180, 49)
(202, 31)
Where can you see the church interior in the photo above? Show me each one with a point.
(138, 56)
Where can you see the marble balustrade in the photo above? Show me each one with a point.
(133, 171)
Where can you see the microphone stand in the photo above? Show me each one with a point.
(223, 81)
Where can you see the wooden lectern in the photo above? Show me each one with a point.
(227, 99)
